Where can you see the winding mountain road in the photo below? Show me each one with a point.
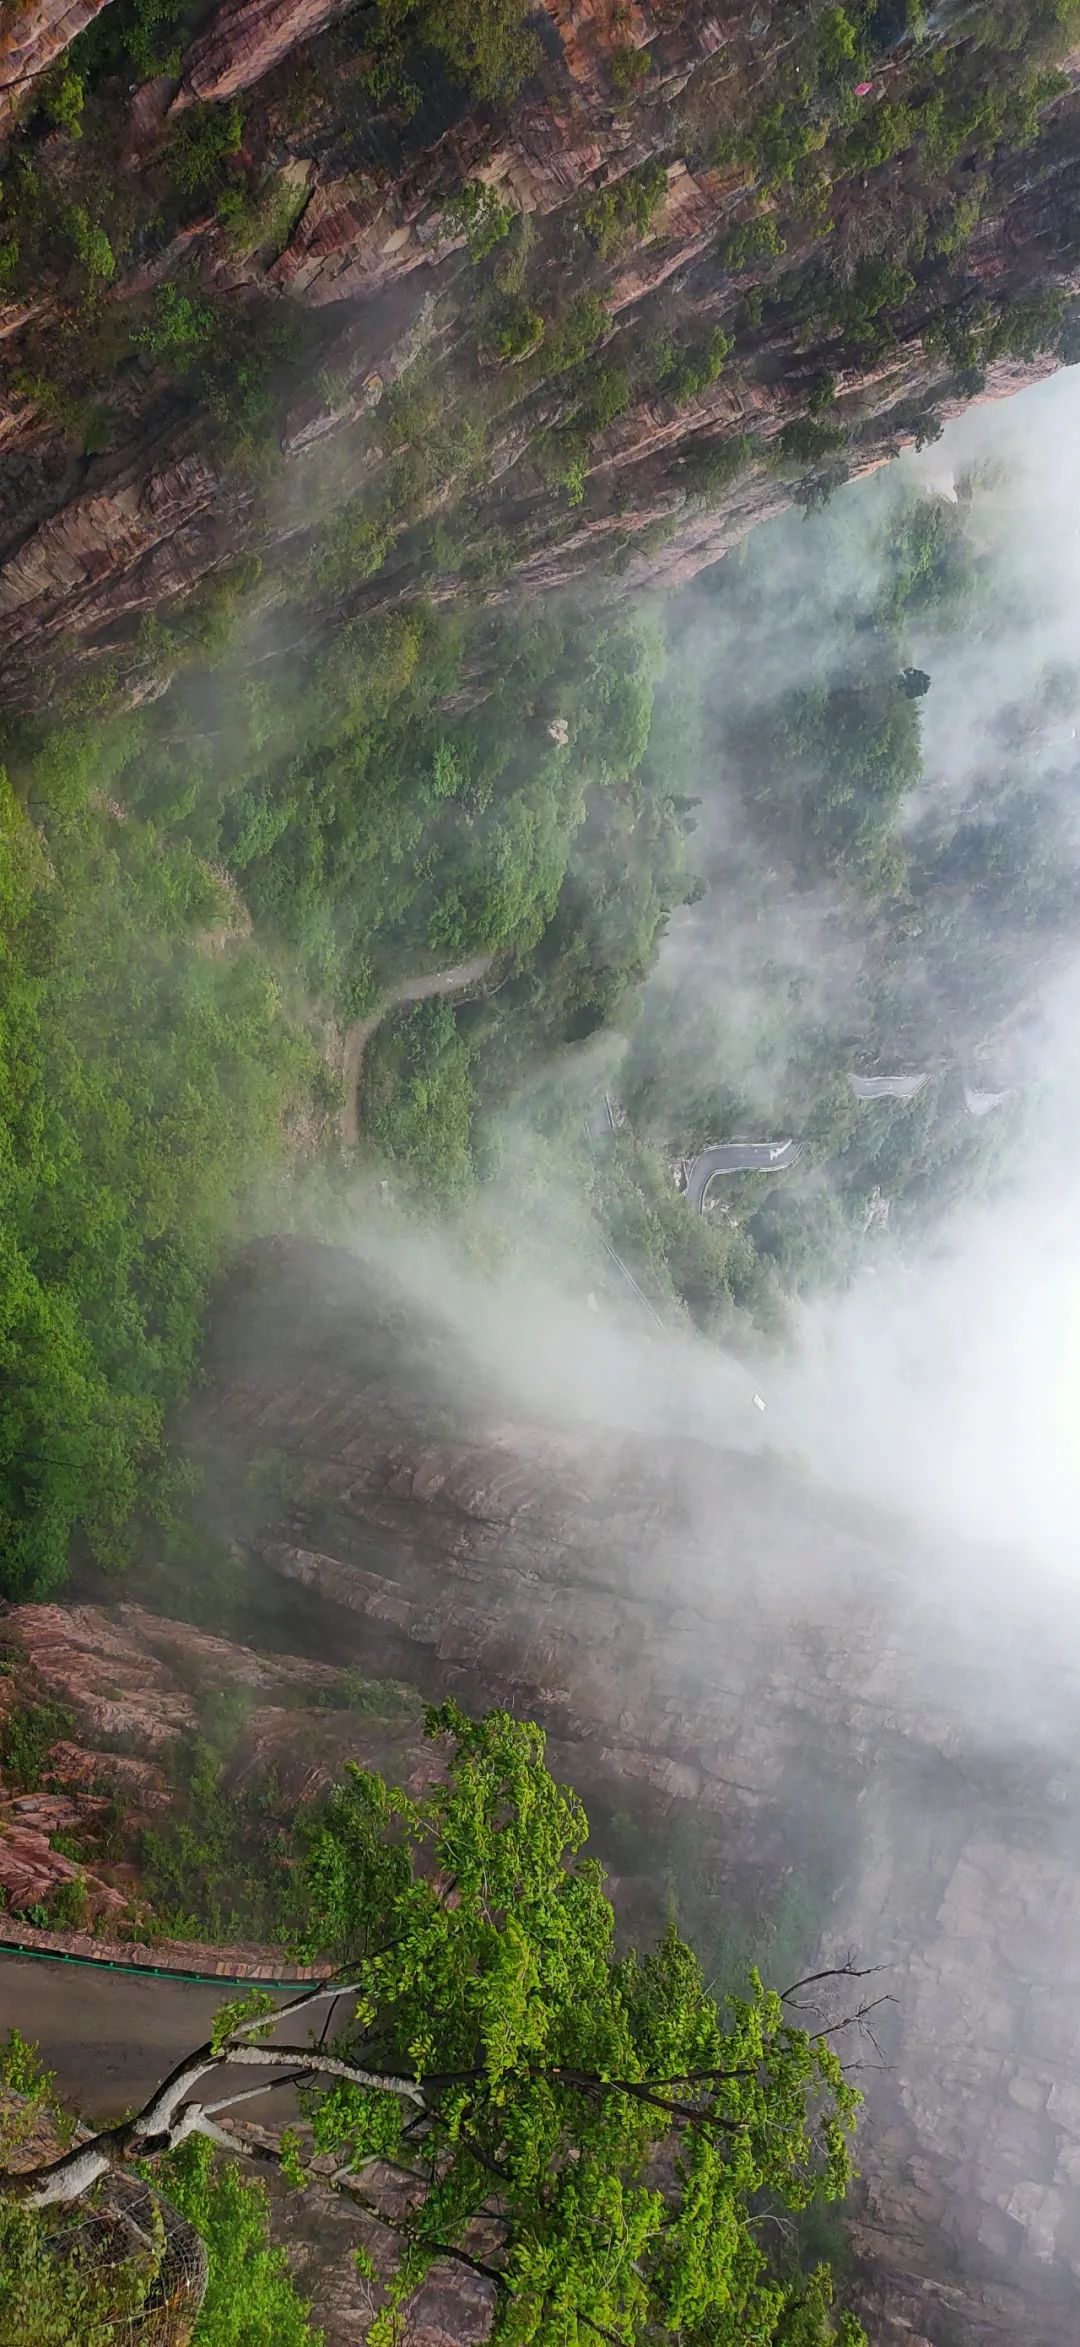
(407, 990)
(737, 1157)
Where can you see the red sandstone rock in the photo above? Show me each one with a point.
(33, 33)
(100, 543)
(49, 1813)
(84, 1660)
(566, 1572)
(244, 39)
(30, 1871)
(140, 1785)
(146, 528)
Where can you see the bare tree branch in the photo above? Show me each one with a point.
(318, 1995)
(252, 2094)
(856, 2020)
(848, 1970)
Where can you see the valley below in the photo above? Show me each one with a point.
(539, 1102)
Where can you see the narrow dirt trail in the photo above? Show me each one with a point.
(406, 990)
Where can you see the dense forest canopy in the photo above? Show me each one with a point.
(205, 895)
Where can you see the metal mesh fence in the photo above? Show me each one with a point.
(146, 2263)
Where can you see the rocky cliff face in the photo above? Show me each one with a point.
(34, 34)
(709, 1639)
(695, 268)
(115, 1690)
(707, 1635)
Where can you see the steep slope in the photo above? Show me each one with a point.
(708, 1636)
(731, 1663)
(503, 300)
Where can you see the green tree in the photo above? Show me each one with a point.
(628, 205)
(586, 2130)
(480, 215)
(487, 47)
(418, 1097)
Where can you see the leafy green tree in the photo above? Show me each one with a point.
(809, 438)
(179, 325)
(479, 213)
(629, 205)
(206, 139)
(486, 46)
(629, 66)
(586, 2130)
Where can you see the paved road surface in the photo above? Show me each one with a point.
(407, 990)
(107, 2035)
(738, 1157)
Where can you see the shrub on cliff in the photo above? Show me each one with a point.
(206, 139)
(629, 206)
(250, 2299)
(418, 1098)
(692, 370)
(486, 46)
(807, 439)
(479, 214)
(517, 330)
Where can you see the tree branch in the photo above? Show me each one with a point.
(344, 2181)
(644, 2094)
(250, 2094)
(847, 1971)
(856, 2020)
(70, 2176)
(163, 2120)
(313, 1996)
(270, 2057)
(611, 2336)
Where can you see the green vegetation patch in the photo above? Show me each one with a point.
(142, 1078)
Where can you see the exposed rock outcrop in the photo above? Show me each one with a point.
(352, 218)
(244, 40)
(142, 536)
(31, 1870)
(134, 1678)
(33, 34)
